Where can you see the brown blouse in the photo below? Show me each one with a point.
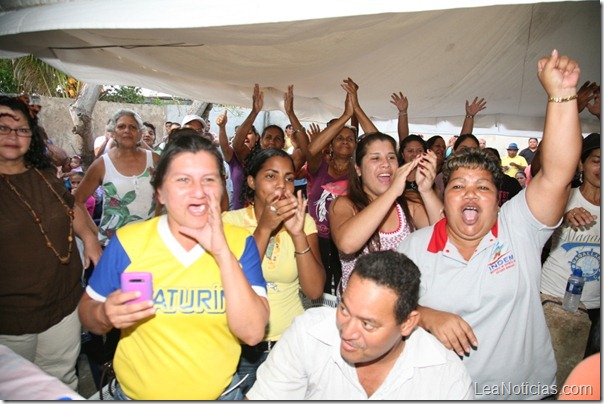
(36, 290)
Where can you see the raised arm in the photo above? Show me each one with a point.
(594, 108)
(227, 150)
(352, 229)
(351, 88)
(471, 111)
(425, 175)
(314, 153)
(239, 146)
(560, 148)
(299, 154)
(586, 93)
(401, 103)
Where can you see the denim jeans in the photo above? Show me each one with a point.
(248, 365)
(234, 394)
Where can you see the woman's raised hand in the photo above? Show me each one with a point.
(221, 121)
(400, 176)
(559, 75)
(257, 99)
(399, 101)
(426, 171)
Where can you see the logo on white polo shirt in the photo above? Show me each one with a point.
(501, 260)
(589, 264)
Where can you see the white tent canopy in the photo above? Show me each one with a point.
(437, 53)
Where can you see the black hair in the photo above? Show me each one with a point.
(185, 140)
(463, 137)
(395, 271)
(589, 144)
(357, 194)
(430, 142)
(36, 155)
(76, 174)
(405, 142)
(279, 128)
(150, 125)
(473, 159)
(494, 151)
(254, 166)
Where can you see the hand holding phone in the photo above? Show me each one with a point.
(141, 281)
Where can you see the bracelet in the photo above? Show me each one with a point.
(470, 116)
(302, 252)
(402, 113)
(299, 130)
(565, 99)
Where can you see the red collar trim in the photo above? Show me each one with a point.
(439, 236)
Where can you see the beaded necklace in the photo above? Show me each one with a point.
(64, 260)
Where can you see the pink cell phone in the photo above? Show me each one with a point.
(141, 281)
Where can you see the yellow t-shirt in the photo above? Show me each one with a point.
(513, 170)
(186, 351)
(279, 269)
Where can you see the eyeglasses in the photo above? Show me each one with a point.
(21, 132)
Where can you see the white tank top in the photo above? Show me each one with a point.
(126, 199)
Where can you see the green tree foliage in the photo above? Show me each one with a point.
(37, 77)
(126, 94)
(8, 84)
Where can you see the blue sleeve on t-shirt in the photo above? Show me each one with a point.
(251, 263)
(106, 275)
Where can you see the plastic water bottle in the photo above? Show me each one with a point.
(574, 289)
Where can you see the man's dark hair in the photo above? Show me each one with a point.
(395, 271)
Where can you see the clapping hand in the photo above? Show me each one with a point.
(313, 130)
(288, 100)
(426, 171)
(294, 224)
(257, 99)
(586, 93)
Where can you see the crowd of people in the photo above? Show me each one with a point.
(434, 254)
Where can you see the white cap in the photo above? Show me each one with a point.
(191, 118)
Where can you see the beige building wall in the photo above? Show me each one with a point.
(55, 118)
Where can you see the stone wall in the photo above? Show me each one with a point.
(55, 118)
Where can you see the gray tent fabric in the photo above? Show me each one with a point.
(439, 54)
